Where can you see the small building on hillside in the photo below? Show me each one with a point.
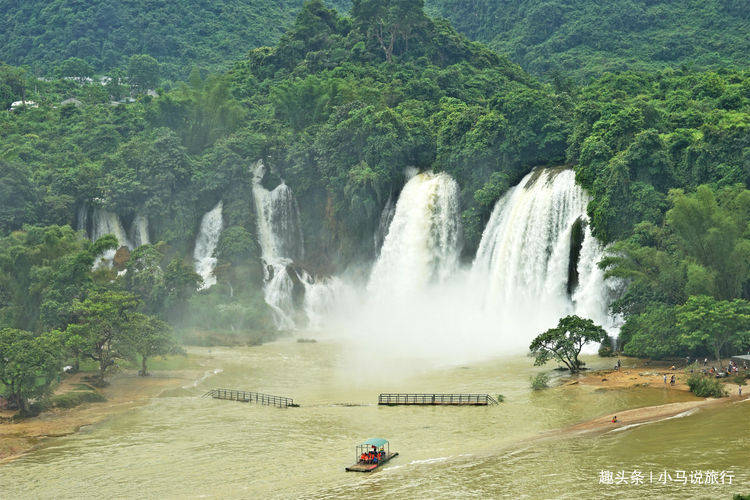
(72, 100)
(21, 104)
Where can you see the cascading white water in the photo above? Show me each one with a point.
(423, 240)
(521, 267)
(205, 245)
(420, 302)
(105, 222)
(280, 238)
(593, 293)
(139, 231)
(386, 216)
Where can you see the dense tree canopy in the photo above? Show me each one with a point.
(338, 109)
(586, 37)
(105, 34)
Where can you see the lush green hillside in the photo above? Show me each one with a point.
(339, 108)
(179, 34)
(588, 37)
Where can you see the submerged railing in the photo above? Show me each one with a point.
(393, 399)
(251, 397)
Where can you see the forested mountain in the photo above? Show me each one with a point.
(573, 37)
(179, 34)
(588, 37)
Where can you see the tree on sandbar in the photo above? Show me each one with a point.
(564, 342)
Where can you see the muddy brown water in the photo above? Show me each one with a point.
(180, 445)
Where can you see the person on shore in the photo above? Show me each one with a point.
(705, 361)
(614, 419)
(672, 380)
(740, 389)
(665, 379)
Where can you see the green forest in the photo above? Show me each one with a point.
(657, 129)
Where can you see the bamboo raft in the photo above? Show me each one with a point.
(379, 447)
(368, 467)
(400, 399)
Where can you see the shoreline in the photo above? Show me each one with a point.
(125, 391)
(639, 373)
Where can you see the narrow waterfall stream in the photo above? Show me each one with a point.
(280, 239)
(139, 231)
(105, 222)
(211, 226)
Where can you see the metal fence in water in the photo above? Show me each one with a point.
(392, 399)
(250, 397)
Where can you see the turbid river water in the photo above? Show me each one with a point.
(180, 445)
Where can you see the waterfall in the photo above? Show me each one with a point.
(522, 264)
(106, 222)
(386, 216)
(423, 240)
(536, 262)
(280, 238)
(139, 231)
(205, 245)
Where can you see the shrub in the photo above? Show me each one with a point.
(75, 398)
(500, 398)
(540, 381)
(706, 387)
(605, 350)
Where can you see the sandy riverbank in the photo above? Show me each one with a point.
(641, 373)
(125, 391)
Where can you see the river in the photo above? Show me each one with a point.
(180, 445)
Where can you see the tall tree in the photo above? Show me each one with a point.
(102, 323)
(715, 324)
(389, 22)
(564, 342)
(151, 337)
(143, 72)
(28, 364)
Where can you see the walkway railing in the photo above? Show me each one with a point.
(251, 397)
(392, 399)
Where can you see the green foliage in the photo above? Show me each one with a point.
(636, 136)
(74, 398)
(28, 364)
(540, 381)
(564, 343)
(75, 68)
(706, 387)
(605, 349)
(143, 72)
(717, 324)
(150, 337)
(587, 38)
(106, 34)
(42, 270)
(101, 324)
